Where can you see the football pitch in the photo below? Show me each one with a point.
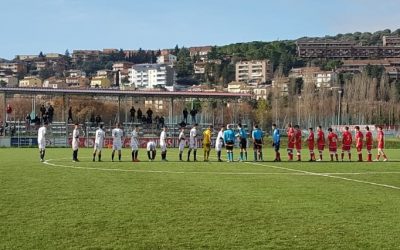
(59, 204)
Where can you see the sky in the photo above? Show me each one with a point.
(53, 26)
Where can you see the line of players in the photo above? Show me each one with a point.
(227, 138)
(295, 142)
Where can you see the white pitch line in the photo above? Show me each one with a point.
(326, 175)
(47, 162)
(293, 172)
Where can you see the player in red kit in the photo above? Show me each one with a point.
(368, 143)
(347, 140)
(332, 143)
(297, 135)
(291, 141)
(320, 142)
(311, 141)
(359, 137)
(381, 144)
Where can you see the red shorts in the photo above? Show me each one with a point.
(298, 146)
(311, 147)
(381, 146)
(321, 147)
(369, 147)
(359, 148)
(332, 149)
(346, 147)
(290, 145)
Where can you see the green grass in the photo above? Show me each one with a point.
(118, 205)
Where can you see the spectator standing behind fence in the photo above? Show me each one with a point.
(149, 115)
(70, 114)
(185, 115)
(193, 113)
(42, 110)
(8, 112)
(50, 113)
(133, 112)
(139, 115)
(98, 120)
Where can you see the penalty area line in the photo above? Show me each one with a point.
(327, 175)
(47, 162)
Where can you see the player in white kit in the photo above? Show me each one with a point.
(163, 144)
(151, 150)
(98, 142)
(75, 143)
(135, 143)
(192, 142)
(219, 142)
(182, 142)
(117, 135)
(42, 140)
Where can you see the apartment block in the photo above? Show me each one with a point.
(151, 75)
(391, 41)
(14, 67)
(256, 71)
(345, 50)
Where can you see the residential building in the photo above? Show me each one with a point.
(239, 87)
(200, 66)
(122, 67)
(110, 51)
(100, 82)
(77, 81)
(11, 81)
(256, 71)
(41, 65)
(30, 82)
(55, 83)
(151, 75)
(202, 51)
(393, 72)
(79, 56)
(14, 67)
(26, 57)
(355, 66)
(261, 91)
(391, 41)
(344, 50)
(281, 84)
(166, 59)
(75, 73)
(314, 75)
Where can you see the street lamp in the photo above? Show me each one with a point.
(340, 91)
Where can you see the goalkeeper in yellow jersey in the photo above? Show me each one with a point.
(207, 142)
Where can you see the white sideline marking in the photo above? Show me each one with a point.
(326, 175)
(292, 172)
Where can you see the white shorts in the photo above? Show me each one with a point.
(75, 145)
(181, 145)
(98, 146)
(163, 147)
(42, 144)
(134, 145)
(218, 146)
(192, 145)
(117, 146)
